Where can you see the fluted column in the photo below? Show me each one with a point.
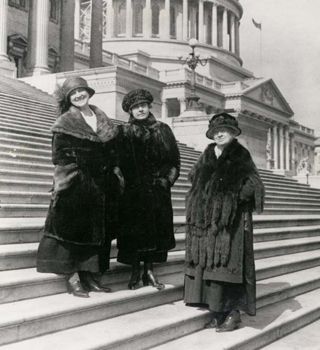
(275, 146)
(287, 145)
(281, 147)
(165, 21)
(67, 27)
(200, 22)
(128, 18)
(185, 20)
(6, 67)
(225, 41)
(214, 24)
(96, 34)
(232, 33)
(110, 19)
(147, 20)
(38, 51)
(237, 37)
(164, 110)
(77, 19)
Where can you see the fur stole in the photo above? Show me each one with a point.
(72, 123)
(213, 202)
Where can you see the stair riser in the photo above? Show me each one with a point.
(27, 104)
(276, 251)
(285, 235)
(36, 327)
(15, 165)
(285, 223)
(20, 119)
(20, 236)
(22, 212)
(11, 128)
(17, 261)
(21, 137)
(30, 128)
(33, 151)
(14, 198)
(35, 176)
(25, 158)
(14, 143)
(24, 187)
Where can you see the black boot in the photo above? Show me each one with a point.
(75, 287)
(148, 277)
(91, 284)
(135, 276)
(231, 322)
(217, 318)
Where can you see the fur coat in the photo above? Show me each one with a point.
(84, 162)
(150, 163)
(219, 208)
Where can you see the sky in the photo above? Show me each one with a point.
(290, 51)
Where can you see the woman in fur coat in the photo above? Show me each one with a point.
(76, 241)
(226, 188)
(150, 163)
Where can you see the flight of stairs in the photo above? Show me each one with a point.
(37, 313)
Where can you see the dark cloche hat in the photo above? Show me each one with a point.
(134, 97)
(73, 83)
(223, 120)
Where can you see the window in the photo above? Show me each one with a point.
(20, 4)
(138, 18)
(173, 21)
(53, 10)
(155, 19)
(122, 18)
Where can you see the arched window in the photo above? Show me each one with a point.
(155, 19)
(122, 18)
(53, 10)
(138, 18)
(173, 32)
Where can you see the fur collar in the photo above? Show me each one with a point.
(72, 123)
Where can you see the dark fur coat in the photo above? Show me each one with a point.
(223, 195)
(84, 162)
(150, 163)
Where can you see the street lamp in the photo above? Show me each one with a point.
(193, 61)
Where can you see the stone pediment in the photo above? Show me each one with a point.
(267, 92)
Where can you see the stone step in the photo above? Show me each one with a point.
(6, 184)
(13, 129)
(24, 143)
(272, 322)
(25, 175)
(295, 190)
(21, 137)
(20, 197)
(279, 233)
(30, 128)
(10, 101)
(25, 119)
(307, 338)
(13, 164)
(140, 329)
(16, 150)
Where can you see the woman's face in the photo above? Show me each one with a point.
(223, 136)
(79, 97)
(140, 111)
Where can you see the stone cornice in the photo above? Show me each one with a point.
(232, 5)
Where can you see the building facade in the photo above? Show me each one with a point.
(144, 43)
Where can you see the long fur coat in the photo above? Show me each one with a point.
(150, 163)
(219, 208)
(84, 162)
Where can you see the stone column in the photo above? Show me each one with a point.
(96, 34)
(185, 20)
(67, 26)
(147, 20)
(39, 26)
(275, 146)
(237, 37)
(232, 33)
(287, 146)
(214, 24)
(129, 19)
(77, 20)
(281, 147)
(200, 21)
(183, 104)
(179, 22)
(6, 67)
(225, 41)
(164, 110)
(165, 21)
(268, 150)
(110, 19)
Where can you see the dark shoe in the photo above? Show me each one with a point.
(148, 278)
(90, 284)
(216, 320)
(135, 277)
(76, 289)
(231, 322)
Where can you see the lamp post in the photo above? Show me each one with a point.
(193, 61)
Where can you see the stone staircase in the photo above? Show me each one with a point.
(37, 313)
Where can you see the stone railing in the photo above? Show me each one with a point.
(117, 60)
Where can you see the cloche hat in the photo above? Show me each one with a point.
(73, 83)
(135, 97)
(223, 120)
